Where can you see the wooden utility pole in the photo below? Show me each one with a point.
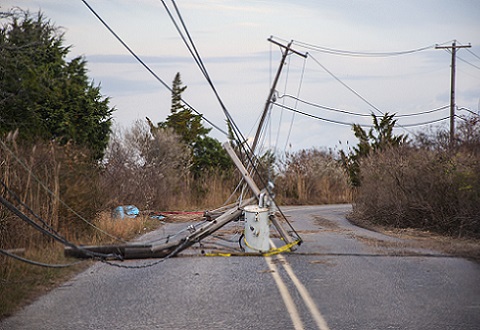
(453, 47)
(286, 52)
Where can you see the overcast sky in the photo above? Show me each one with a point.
(231, 37)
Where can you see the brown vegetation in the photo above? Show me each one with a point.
(429, 185)
(74, 197)
(312, 177)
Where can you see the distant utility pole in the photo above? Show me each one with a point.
(453, 47)
(286, 52)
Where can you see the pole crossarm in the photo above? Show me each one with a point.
(288, 49)
(454, 45)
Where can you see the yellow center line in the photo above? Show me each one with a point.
(287, 298)
(307, 298)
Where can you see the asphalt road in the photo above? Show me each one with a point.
(341, 277)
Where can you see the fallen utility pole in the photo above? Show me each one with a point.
(215, 221)
(203, 231)
(143, 251)
(454, 48)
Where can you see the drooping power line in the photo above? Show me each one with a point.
(342, 52)
(333, 121)
(345, 85)
(146, 66)
(315, 105)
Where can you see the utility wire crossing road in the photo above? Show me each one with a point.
(341, 277)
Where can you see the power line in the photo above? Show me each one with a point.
(325, 107)
(145, 65)
(350, 124)
(468, 50)
(36, 263)
(468, 110)
(314, 116)
(198, 60)
(29, 170)
(342, 52)
(17, 198)
(196, 55)
(429, 122)
(345, 85)
(54, 236)
(281, 113)
(405, 127)
(298, 95)
(471, 64)
(193, 52)
(356, 113)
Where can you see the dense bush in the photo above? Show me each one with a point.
(427, 184)
(147, 170)
(311, 176)
(152, 169)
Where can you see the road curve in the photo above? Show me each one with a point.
(341, 277)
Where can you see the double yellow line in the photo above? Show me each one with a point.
(287, 298)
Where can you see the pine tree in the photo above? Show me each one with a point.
(377, 138)
(207, 152)
(182, 119)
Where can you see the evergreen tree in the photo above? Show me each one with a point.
(181, 119)
(378, 138)
(207, 152)
(42, 94)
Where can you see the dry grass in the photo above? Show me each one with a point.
(125, 229)
(312, 177)
(410, 240)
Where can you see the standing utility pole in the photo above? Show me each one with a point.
(288, 49)
(453, 47)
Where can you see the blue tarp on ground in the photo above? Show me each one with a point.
(131, 211)
(125, 211)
